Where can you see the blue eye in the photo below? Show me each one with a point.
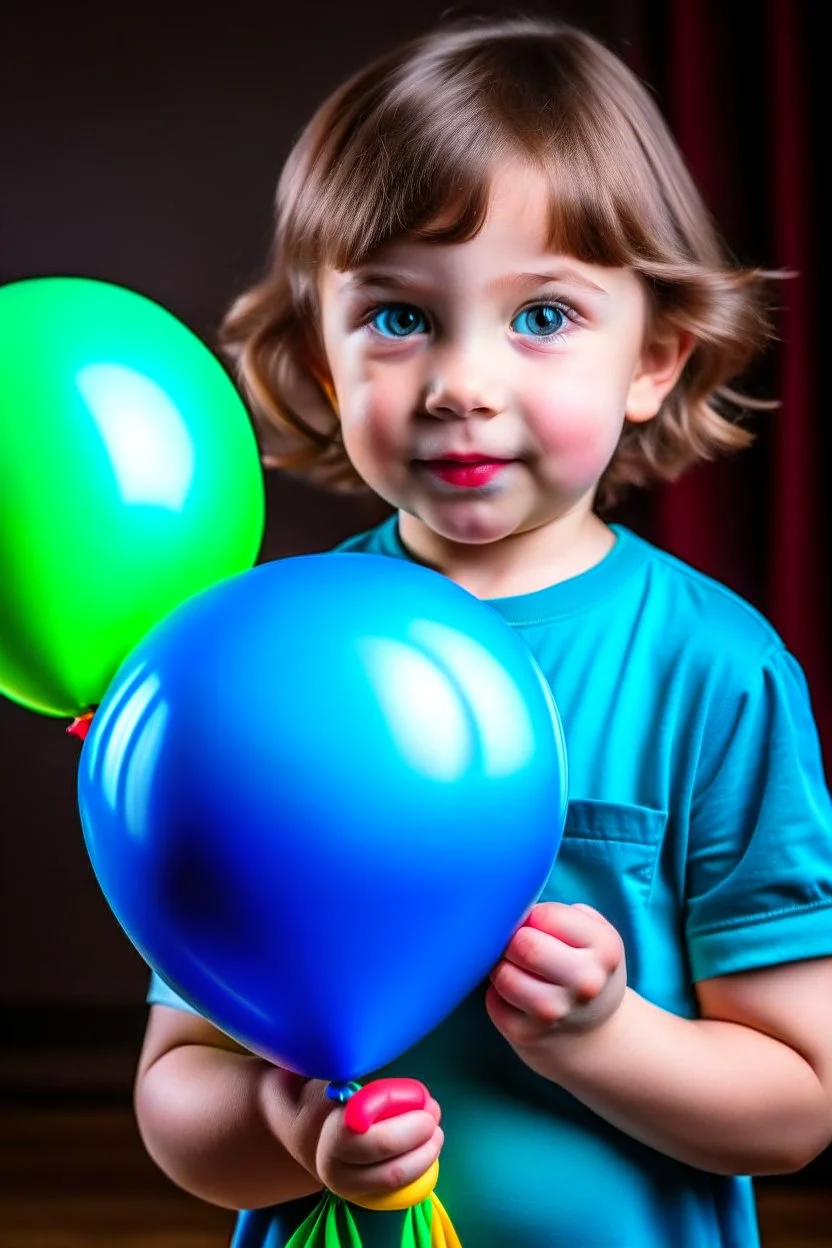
(398, 320)
(541, 321)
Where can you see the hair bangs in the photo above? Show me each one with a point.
(417, 159)
(412, 171)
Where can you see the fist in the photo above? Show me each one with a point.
(563, 970)
(376, 1159)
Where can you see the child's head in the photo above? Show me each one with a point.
(466, 158)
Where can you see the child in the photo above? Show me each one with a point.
(497, 299)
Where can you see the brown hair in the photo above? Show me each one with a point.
(413, 137)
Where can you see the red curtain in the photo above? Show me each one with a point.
(736, 85)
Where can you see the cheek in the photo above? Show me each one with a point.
(579, 424)
(372, 419)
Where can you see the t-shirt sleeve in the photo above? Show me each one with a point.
(159, 993)
(759, 871)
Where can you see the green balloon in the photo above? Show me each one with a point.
(129, 481)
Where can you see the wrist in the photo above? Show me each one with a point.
(295, 1109)
(568, 1055)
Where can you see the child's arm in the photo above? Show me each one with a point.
(239, 1132)
(746, 1089)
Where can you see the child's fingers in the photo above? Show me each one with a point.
(433, 1108)
(516, 1025)
(387, 1175)
(393, 1136)
(548, 1002)
(582, 972)
(575, 925)
(578, 928)
(582, 905)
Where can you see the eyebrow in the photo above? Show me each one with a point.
(559, 276)
(371, 278)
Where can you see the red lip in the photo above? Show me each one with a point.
(468, 471)
(465, 457)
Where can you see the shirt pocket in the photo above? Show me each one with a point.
(607, 858)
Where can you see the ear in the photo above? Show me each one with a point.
(659, 368)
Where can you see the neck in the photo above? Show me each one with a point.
(518, 564)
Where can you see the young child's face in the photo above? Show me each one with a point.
(482, 386)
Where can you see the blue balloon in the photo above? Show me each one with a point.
(319, 798)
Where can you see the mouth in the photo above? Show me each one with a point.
(465, 471)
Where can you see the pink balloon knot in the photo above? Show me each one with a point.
(384, 1098)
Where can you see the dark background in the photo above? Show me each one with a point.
(141, 144)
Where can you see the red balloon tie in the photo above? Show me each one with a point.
(80, 726)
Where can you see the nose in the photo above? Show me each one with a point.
(463, 383)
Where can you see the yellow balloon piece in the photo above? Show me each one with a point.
(442, 1233)
(403, 1197)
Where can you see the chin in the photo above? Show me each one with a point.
(472, 531)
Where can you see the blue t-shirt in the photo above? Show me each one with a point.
(700, 825)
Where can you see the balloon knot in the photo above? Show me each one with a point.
(80, 726)
(341, 1092)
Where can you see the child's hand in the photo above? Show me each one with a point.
(563, 970)
(389, 1155)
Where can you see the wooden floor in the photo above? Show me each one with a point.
(78, 1178)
